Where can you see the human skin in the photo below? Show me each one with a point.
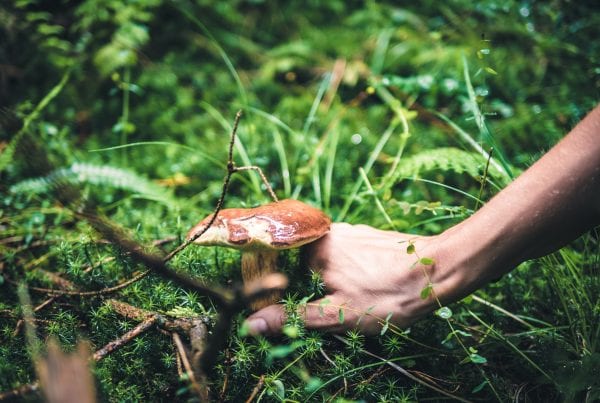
(369, 274)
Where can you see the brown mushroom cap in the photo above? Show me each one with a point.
(280, 225)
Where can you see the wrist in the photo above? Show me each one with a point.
(466, 260)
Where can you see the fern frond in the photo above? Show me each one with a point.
(102, 175)
(445, 159)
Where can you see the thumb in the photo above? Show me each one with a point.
(268, 320)
(319, 314)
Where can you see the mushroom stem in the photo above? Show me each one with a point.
(256, 264)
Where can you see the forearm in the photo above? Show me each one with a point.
(368, 271)
(554, 201)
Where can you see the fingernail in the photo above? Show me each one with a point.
(257, 326)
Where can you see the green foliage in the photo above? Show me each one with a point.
(377, 113)
(100, 176)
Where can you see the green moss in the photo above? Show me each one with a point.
(167, 77)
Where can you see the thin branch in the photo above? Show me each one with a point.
(230, 170)
(126, 338)
(262, 177)
(41, 306)
(20, 391)
(154, 262)
(257, 388)
(200, 390)
(406, 373)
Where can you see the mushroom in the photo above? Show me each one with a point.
(260, 232)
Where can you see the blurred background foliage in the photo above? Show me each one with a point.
(403, 91)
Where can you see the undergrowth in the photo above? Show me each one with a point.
(378, 114)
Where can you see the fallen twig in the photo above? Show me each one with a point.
(257, 388)
(200, 389)
(126, 338)
(406, 373)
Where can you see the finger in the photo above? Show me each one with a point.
(322, 314)
(268, 320)
(328, 313)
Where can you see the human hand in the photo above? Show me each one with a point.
(369, 274)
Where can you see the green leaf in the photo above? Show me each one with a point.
(426, 292)
(283, 350)
(479, 387)
(444, 312)
(304, 300)
(313, 384)
(322, 305)
(278, 389)
(341, 316)
(477, 359)
(410, 249)
(386, 324)
(291, 331)
(427, 261)
(463, 333)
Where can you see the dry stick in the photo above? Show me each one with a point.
(230, 170)
(406, 373)
(104, 291)
(257, 388)
(41, 306)
(126, 338)
(19, 392)
(226, 378)
(262, 177)
(201, 391)
(98, 355)
(229, 303)
(194, 327)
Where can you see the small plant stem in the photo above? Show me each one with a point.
(377, 201)
(367, 168)
(125, 113)
(483, 179)
(504, 311)
(405, 372)
(262, 177)
(480, 118)
(453, 331)
(515, 348)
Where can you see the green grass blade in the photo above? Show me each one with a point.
(329, 167)
(228, 63)
(376, 198)
(480, 120)
(366, 168)
(208, 157)
(8, 153)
